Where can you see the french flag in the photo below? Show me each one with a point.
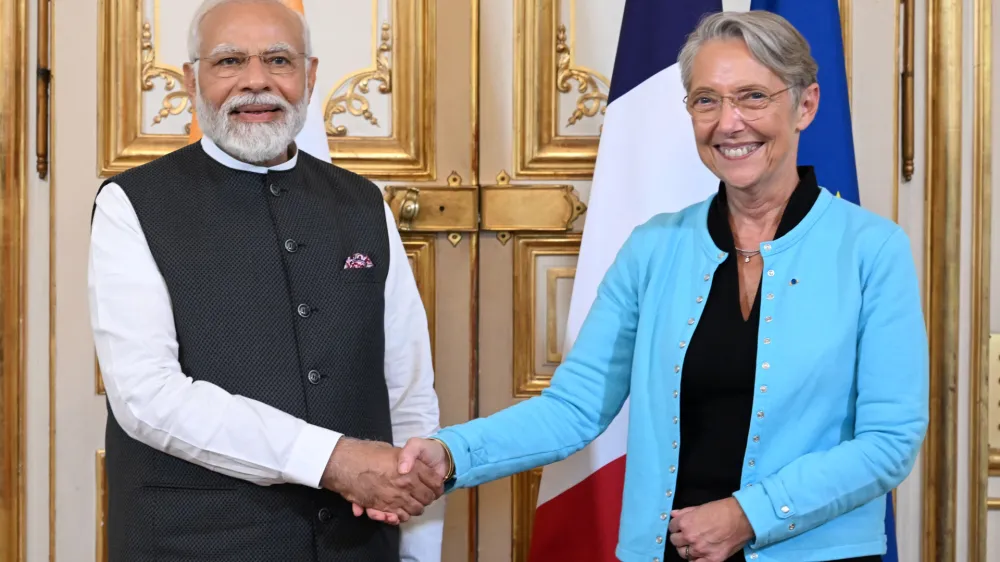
(647, 164)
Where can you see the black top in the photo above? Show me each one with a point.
(717, 387)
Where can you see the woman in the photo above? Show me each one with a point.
(770, 338)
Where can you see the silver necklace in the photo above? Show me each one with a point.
(747, 254)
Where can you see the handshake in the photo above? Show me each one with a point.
(387, 483)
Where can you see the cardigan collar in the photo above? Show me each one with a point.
(805, 205)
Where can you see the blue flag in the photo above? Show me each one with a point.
(828, 143)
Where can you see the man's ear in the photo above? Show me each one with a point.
(190, 81)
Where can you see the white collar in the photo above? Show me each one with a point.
(226, 160)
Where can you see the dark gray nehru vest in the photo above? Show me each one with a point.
(264, 308)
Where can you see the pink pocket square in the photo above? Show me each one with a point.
(358, 261)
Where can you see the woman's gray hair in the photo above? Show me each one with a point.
(194, 32)
(772, 41)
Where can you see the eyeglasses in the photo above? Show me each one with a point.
(233, 64)
(751, 104)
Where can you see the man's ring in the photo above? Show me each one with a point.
(687, 552)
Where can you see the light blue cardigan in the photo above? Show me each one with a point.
(842, 402)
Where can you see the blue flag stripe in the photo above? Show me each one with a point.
(828, 143)
(642, 54)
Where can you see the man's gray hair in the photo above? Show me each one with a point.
(771, 40)
(194, 33)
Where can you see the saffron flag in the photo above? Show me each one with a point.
(647, 163)
(312, 138)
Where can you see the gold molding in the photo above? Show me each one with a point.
(98, 377)
(524, 497)
(979, 364)
(539, 150)
(943, 192)
(101, 502)
(42, 92)
(993, 504)
(123, 74)
(420, 248)
(993, 402)
(906, 80)
(552, 277)
(13, 192)
(527, 249)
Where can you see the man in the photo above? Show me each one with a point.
(259, 330)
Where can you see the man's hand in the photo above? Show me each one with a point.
(711, 532)
(418, 454)
(367, 474)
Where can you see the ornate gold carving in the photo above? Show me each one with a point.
(421, 253)
(552, 276)
(524, 495)
(407, 154)
(592, 100)
(993, 401)
(102, 509)
(455, 238)
(528, 248)
(454, 180)
(13, 194)
(944, 213)
(174, 103)
(353, 100)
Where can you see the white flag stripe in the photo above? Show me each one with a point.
(647, 164)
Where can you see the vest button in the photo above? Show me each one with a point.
(291, 246)
(314, 376)
(275, 191)
(304, 310)
(324, 515)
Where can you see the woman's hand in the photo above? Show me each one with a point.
(711, 532)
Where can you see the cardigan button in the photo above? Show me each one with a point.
(699, 299)
(767, 341)
(707, 277)
(767, 319)
(675, 420)
(683, 344)
(663, 517)
(670, 493)
(767, 247)
(676, 394)
(756, 438)
(760, 414)
(784, 509)
(677, 368)
(763, 389)
(752, 463)
(765, 365)
(791, 527)
(770, 273)
(659, 540)
(673, 469)
(770, 296)
(690, 321)
(675, 444)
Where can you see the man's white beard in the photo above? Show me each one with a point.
(254, 143)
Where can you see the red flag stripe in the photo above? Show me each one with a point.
(581, 524)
